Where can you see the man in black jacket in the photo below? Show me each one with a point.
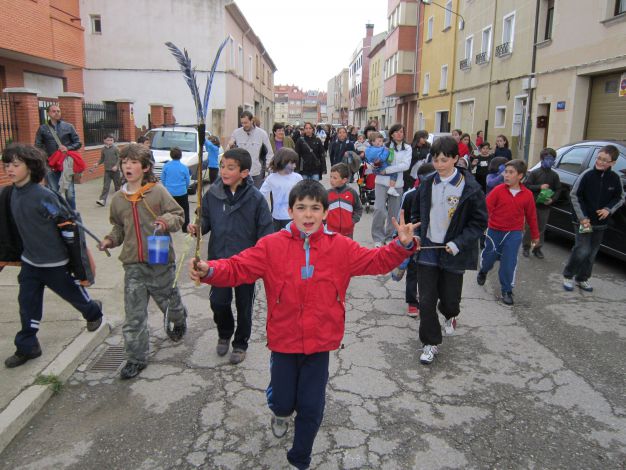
(596, 195)
(67, 137)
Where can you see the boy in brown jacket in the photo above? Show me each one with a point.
(136, 210)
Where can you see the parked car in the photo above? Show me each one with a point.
(570, 162)
(162, 139)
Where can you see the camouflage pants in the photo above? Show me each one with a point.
(142, 281)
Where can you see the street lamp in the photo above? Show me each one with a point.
(461, 19)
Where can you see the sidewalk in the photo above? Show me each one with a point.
(63, 337)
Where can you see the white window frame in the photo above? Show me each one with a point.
(443, 84)
(430, 26)
(438, 114)
(457, 114)
(447, 22)
(482, 45)
(232, 54)
(240, 61)
(502, 124)
(469, 40)
(426, 87)
(93, 19)
(512, 38)
(250, 68)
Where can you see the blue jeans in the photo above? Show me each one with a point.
(52, 180)
(503, 246)
(583, 255)
(298, 383)
(315, 177)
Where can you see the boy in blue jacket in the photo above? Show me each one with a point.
(595, 196)
(237, 215)
(450, 205)
(176, 179)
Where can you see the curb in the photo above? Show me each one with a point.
(27, 404)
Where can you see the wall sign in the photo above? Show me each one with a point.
(560, 105)
(622, 85)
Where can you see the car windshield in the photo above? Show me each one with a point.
(166, 139)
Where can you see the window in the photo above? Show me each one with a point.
(549, 20)
(572, 161)
(469, 47)
(508, 30)
(249, 68)
(500, 116)
(426, 84)
(429, 29)
(486, 43)
(447, 22)
(96, 24)
(620, 7)
(443, 81)
(240, 62)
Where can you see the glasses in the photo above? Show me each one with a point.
(606, 161)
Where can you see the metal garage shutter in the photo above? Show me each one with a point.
(607, 110)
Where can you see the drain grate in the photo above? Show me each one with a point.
(110, 360)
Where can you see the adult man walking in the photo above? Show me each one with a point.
(252, 138)
(55, 135)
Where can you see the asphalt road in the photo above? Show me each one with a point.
(540, 385)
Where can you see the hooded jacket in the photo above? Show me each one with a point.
(236, 221)
(305, 281)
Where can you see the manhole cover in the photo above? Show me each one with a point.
(110, 360)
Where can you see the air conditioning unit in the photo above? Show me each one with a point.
(528, 83)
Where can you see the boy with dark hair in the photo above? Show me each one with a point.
(141, 205)
(110, 157)
(545, 184)
(596, 195)
(481, 164)
(237, 215)
(143, 140)
(306, 271)
(510, 205)
(176, 179)
(450, 206)
(345, 207)
(44, 256)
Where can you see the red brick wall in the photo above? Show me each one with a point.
(156, 115)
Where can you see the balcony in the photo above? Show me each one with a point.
(503, 49)
(482, 58)
(465, 64)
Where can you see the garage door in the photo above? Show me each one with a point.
(607, 110)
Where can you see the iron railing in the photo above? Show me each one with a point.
(8, 121)
(503, 49)
(482, 58)
(100, 120)
(465, 64)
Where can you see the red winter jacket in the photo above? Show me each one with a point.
(508, 213)
(304, 315)
(344, 210)
(55, 161)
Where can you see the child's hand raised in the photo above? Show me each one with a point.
(405, 231)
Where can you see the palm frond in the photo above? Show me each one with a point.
(189, 74)
(209, 82)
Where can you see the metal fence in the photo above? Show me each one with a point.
(8, 121)
(43, 108)
(100, 120)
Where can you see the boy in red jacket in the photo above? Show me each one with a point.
(509, 205)
(344, 205)
(306, 271)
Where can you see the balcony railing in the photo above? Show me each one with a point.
(503, 49)
(482, 58)
(465, 64)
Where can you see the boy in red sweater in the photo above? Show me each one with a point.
(509, 205)
(344, 205)
(306, 271)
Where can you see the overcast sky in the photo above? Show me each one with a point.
(311, 41)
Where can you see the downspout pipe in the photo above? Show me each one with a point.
(529, 123)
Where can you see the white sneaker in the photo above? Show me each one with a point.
(428, 354)
(100, 202)
(568, 284)
(392, 192)
(279, 425)
(585, 285)
(450, 326)
(378, 245)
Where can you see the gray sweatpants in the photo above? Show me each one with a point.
(142, 281)
(385, 207)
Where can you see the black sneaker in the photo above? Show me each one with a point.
(18, 359)
(526, 252)
(222, 346)
(131, 369)
(178, 331)
(507, 298)
(537, 252)
(481, 277)
(95, 324)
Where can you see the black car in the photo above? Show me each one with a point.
(571, 161)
